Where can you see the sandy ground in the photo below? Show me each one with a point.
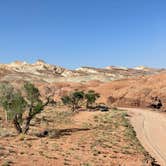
(104, 144)
(150, 127)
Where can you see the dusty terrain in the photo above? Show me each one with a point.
(151, 131)
(85, 138)
(139, 92)
(118, 86)
(144, 92)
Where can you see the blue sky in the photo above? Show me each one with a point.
(73, 33)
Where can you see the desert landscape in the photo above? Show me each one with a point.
(67, 130)
(82, 83)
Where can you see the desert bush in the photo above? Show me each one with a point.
(78, 98)
(73, 100)
(18, 104)
(91, 97)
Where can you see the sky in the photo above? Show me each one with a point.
(74, 33)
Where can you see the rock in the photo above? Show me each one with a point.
(156, 103)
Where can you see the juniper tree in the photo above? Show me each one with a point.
(73, 100)
(21, 108)
(90, 97)
(34, 104)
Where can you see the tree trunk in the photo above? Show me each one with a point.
(87, 105)
(72, 108)
(31, 115)
(17, 125)
(27, 124)
(6, 116)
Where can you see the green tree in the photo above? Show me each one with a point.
(13, 104)
(91, 97)
(16, 104)
(34, 104)
(73, 100)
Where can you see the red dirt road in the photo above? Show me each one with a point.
(150, 127)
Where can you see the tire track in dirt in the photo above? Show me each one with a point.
(150, 127)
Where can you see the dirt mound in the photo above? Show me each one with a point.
(149, 91)
(119, 86)
(140, 92)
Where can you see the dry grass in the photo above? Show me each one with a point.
(103, 139)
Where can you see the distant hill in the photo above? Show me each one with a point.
(43, 72)
(119, 86)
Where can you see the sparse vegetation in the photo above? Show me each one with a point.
(78, 98)
(21, 107)
(91, 97)
(73, 100)
(102, 138)
(63, 117)
(7, 163)
(109, 129)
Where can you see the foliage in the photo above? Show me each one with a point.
(16, 104)
(12, 101)
(90, 97)
(73, 100)
(32, 94)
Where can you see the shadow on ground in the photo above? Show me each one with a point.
(57, 133)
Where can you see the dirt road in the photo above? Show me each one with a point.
(150, 127)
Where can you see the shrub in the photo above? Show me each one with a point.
(91, 97)
(76, 98)
(16, 104)
(73, 100)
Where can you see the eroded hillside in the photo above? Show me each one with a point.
(58, 136)
(118, 86)
(43, 72)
